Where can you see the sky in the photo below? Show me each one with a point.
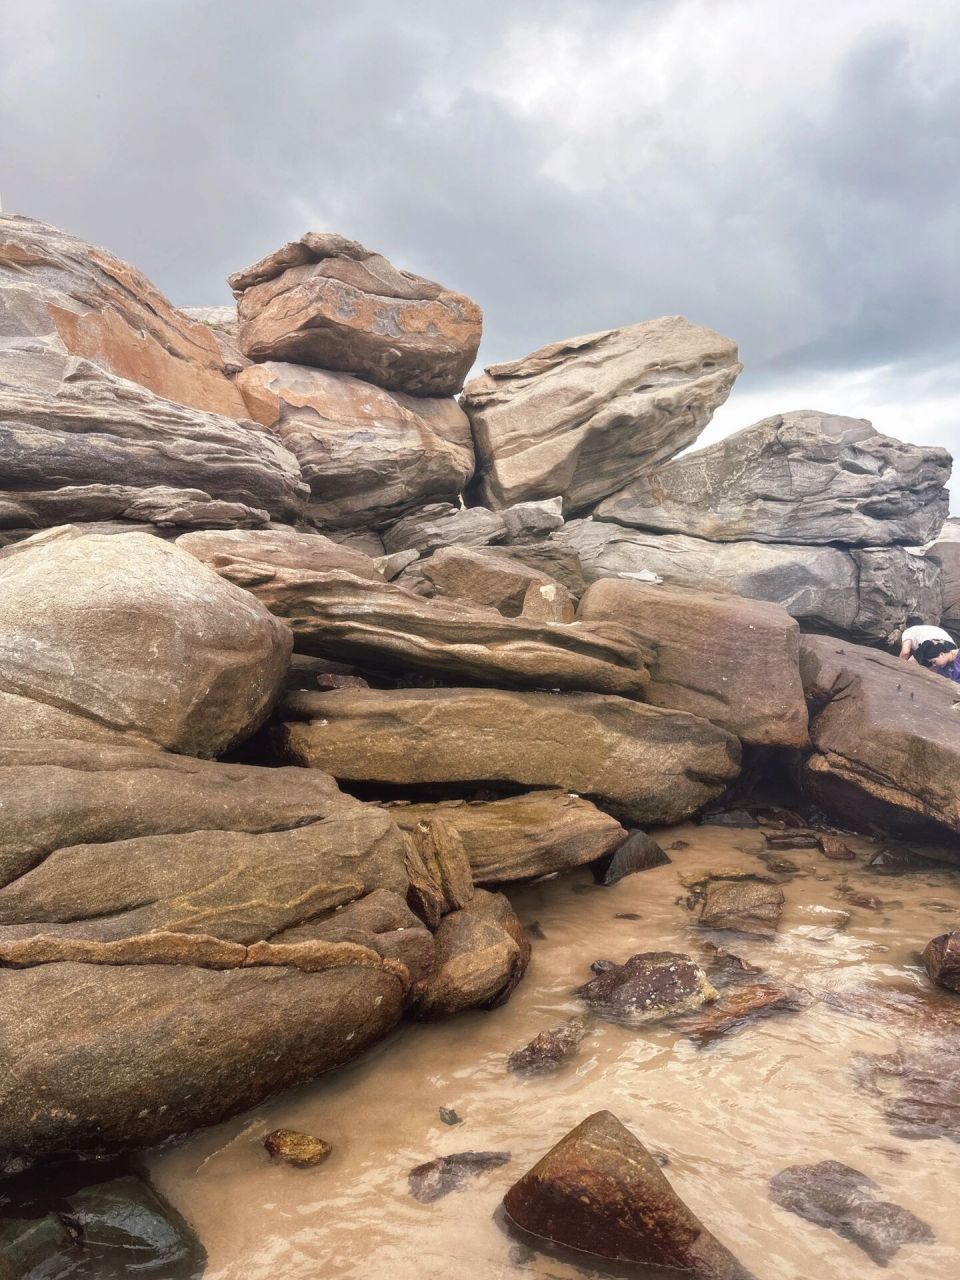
(785, 173)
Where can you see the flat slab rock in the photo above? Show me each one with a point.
(742, 1005)
(843, 1200)
(648, 987)
(641, 763)
(327, 301)
(584, 416)
(803, 477)
(600, 1191)
(744, 905)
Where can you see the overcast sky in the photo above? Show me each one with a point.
(786, 173)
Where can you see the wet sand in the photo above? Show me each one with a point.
(726, 1117)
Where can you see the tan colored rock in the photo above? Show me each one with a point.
(521, 837)
(125, 636)
(224, 324)
(78, 300)
(369, 455)
(329, 302)
(709, 649)
(437, 867)
(583, 417)
(482, 953)
(442, 524)
(745, 905)
(944, 551)
(642, 763)
(497, 580)
(276, 547)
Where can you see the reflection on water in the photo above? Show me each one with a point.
(723, 1118)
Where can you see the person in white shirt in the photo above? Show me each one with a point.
(916, 634)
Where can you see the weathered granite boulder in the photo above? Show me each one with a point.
(327, 301)
(79, 443)
(648, 987)
(583, 417)
(886, 738)
(521, 837)
(802, 477)
(339, 615)
(642, 763)
(941, 959)
(125, 636)
(708, 649)
(492, 578)
(368, 455)
(600, 1191)
(61, 295)
(867, 594)
(444, 525)
(945, 552)
(481, 955)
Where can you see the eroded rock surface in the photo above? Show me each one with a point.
(442, 524)
(327, 301)
(745, 905)
(944, 551)
(582, 417)
(941, 959)
(648, 987)
(549, 1049)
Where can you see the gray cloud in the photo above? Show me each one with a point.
(785, 174)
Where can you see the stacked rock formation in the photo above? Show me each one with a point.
(245, 533)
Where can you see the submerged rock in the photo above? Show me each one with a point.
(550, 1049)
(600, 1191)
(843, 1200)
(302, 1150)
(941, 959)
(648, 987)
(744, 1004)
(639, 852)
(918, 1085)
(437, 1178)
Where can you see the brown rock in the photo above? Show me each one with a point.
(647, 987)
(497, 580)
(368, 455)
(521, 837)
(550, 1049)
(742, 1005)
(639, 852)
(600, 1191)
(708, 651)
(644, 763)
(482, 953)
(302, 1150)
(127, 637)
(275, 548)
(329, 302)
(941, 959)
(583, 417)
(437, 865)
(443, 525)
(836, 850)
(749, 906)
(436, 1179)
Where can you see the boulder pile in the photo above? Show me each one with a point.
(303, 658)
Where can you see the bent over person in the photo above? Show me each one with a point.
(942, 656)
(919, 633)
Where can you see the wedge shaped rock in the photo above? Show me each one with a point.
(368, 455)
(581, 418)
(641, 763)
(329, 302)
(125, 636)
(802, 477)
(600, 1191)
(708, 649)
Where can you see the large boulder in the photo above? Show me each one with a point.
(886, 735)
(641, 763)
(79, 443)
(326, 301)
(62, 295)
(945, 552)
(521, 837)
(802, 477)
(277, 547)
(368, 455)
(583, 417)
(337, 614)
(124, 636)
(708, 649)
(600, 1191)
(864, 593)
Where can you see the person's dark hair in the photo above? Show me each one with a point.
(931, 649)
(914, 620)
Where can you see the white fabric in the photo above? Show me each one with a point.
(917, 635)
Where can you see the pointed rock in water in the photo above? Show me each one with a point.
(437, 1178)
(125, 1224)
(843, 1200)
(941, 959)
(639, 852)
(600, 1191)
(302, 1150)
(648, 987)
(550, 1049)
(449, 1116)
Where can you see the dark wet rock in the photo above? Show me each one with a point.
(125, 1224)
(742, 1005)
(857, 899)
(748, 906)
(437, 1178)
(533, 930)
(600, 1191)
(896, 859)
(449, 1116)
(679, 844)
(780, 866)
(603, 966)
(647, 987)
(917, 1086)
(481, 955)
(843, 1200)
(836, 850)
(302, 1150)
(38, 1247)
(729, 818)
(548, 1050)
(941, 959)
(792, 839)
(627, 915)
(725, 968)
(639, 852)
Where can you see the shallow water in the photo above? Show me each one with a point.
(726, 1117)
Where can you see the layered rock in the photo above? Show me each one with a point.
(224, 324)
(329, 302)
(802, 477)
(443, 525)
(521, 837)
(864, 593)
(945, 552)
(886, 738)
(642, 763)
(497, 580)
(278, 547)
(708, 649)
(127, 637)
(79, 443)
(583, 417)
(61, 295)
(368, 455)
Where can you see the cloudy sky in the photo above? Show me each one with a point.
(786, 173)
